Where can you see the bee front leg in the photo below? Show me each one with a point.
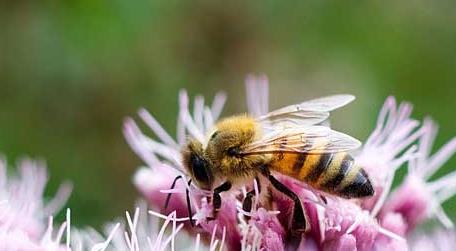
(248, 200)
(217, 200)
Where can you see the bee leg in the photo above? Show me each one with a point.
(248, 200)
(323, 198)
(247, 203)
(298, 222)
(168, 197)
(216, 199)
(189, 206)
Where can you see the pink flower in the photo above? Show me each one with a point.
(436, 240)
(164, 165)
(388, 148)
(342, 223)
(417, 198)
(24, 224)
(378, 223)
(261, 230)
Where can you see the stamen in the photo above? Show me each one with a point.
(208, 119)
(222, 242)
(102, 246)
(162, 150)
(48, 234)
(213, 237)
(384, 118)
(426, 141)
(175, 190)
(407, 139)
(197, 242)
(354, 225)
(171, 238)
(442, 217)
(68, 232)
(133, 240)
(180, 130)
(390, 234)
(253, 88)
(257, 194)
(61, 230)
(159, 238)
(133, 136)
(157, 128)
(175, 231)
(198, 109)
(187, 119)
(218, 104)
(59, 200)
(443, 183)
(447, 193)
(264, 94)
(213, 246)
(161, 216)
(441, 157)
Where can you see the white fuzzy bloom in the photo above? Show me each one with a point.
(143, 231)
(26, 222)
(388, 147)
(431, 193)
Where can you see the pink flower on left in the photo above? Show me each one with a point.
(25, 218)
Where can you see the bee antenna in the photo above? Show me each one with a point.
(189, 207)
(168, 197)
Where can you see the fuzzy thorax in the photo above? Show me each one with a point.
(225, 144)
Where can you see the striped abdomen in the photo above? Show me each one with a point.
(334, 173)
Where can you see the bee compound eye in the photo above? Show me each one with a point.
(200, 169)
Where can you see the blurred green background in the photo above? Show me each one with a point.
(71, 71)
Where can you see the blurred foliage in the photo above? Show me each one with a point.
(71, 71)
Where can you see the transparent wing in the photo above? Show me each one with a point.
(324, 104)
(312, 140)
(290, 122)
(308, 113)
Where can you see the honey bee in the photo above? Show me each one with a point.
(295, 141)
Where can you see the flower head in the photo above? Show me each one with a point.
(335, 224)
(417, 198)
(142, 231)
(388, 148)
(26, 222)
(164, 168)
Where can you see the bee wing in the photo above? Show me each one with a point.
(312, 140)
(324, 104)
(308, 113)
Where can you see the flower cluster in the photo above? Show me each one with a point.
(141, 231)
(382, 222)
(26, 222)
(183, 213)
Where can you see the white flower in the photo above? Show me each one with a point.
(143, 231)
(417, 198)
(26, 222)
(388, 147)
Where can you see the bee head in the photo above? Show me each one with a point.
(197, 165)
